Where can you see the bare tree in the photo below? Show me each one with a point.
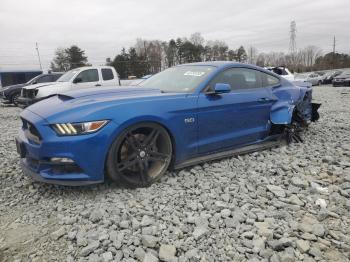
(197, 39)
(311, 53)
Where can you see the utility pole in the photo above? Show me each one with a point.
(333, 56)
(37, 51)
(251, 55)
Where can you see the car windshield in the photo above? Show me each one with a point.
(180, 79)
(32, 80)
(67, 76)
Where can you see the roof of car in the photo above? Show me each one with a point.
(215, 63)
(225, 64)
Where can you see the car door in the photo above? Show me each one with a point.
(236, 118)
(87, 79)
(109, 79)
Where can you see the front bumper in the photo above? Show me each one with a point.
(341, 83)
(88, 153)
(25, 101)
(39, 178)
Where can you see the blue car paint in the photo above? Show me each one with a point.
(219, 122)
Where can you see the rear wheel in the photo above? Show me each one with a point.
(140, 155)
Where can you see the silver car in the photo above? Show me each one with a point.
(313, 78)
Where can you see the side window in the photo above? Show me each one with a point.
(284, 72)
(90, 75)
(277, 71)
(238, 78)
(44, 79)
(55, 77)
(107, 74)
(269, 80)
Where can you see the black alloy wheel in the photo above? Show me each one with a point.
(14, 98)
(293, 132)
(140, 155)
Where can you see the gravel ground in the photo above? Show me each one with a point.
(286, 204)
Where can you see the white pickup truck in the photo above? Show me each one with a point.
(78, 78)
(282, 71)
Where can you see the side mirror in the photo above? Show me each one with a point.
(34, 82)
(221, 88)
(77, 80)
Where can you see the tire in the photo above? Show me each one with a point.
(140, 155)
(14, 98)
(292, 132)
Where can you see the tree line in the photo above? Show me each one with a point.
(152, 56)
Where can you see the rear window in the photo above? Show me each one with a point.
(107, 74)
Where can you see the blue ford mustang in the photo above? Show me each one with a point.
(182, 116)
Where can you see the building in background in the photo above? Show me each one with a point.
(15, 76)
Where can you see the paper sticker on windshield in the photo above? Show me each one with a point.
(192, 73)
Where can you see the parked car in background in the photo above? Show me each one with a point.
(78, 78)
(313, 78)
(282, 71)
(343, 79)
(179, 117)
(10, 94)
(329, 76)
(322, 75)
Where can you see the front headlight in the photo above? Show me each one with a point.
(71, 129)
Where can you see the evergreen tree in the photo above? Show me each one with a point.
(68, 58)
(60, 62)
(241, 55)
(76, 57)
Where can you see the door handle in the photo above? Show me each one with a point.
(98, 85)
(264, 100)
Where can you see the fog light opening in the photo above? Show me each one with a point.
(61, 160)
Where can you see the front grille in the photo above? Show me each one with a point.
(29, 93)
(30, 131)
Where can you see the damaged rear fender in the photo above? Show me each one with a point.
(282, 113)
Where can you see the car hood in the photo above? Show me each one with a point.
(87, 102)
(342, 76)
(40, 85)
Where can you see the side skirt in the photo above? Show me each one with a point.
(238, 151)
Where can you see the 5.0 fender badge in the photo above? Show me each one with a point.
(189, 120)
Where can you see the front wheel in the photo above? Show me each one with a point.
(140, 155)
(14, 98)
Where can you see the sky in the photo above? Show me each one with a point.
(103, 27)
